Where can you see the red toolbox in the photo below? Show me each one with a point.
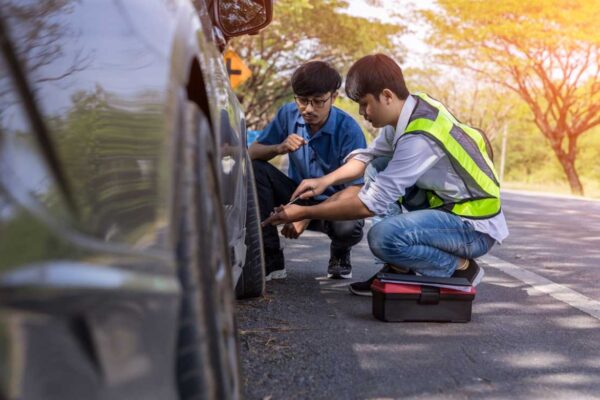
(412, 301)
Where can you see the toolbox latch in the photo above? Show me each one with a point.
(429, 295)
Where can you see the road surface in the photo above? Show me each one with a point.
(535, 331)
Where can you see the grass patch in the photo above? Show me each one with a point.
(591, 188)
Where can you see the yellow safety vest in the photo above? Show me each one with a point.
(469, 154)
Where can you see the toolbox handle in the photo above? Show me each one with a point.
(429, 295)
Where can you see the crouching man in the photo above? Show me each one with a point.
(429, 178)
(317, 137)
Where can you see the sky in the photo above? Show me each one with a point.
(414, 39)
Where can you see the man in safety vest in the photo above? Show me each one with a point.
(424, 161)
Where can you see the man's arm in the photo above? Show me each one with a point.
(344, 205)
(265, 152)
(350, 171)
(353, 168)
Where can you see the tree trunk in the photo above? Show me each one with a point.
(568, 165)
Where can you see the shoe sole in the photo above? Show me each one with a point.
(279, 274)
(339, 276)
(478, 277)
(359, 292)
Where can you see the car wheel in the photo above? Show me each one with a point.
(252, 280)
(207, 347)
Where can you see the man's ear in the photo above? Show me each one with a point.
(334, 96)
(387, 96)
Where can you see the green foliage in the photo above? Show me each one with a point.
(529, 158)
(27, 241)
(588, 159)
(303, 30)
(103, 142)
(351, 108)
(476, 103)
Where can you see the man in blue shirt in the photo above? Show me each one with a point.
(317, 137)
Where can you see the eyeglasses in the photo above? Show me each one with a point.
(315, 103)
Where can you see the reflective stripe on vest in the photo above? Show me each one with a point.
(466, 149)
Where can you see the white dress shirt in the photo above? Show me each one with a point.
(415, 159)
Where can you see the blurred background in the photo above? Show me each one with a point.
(525, 72)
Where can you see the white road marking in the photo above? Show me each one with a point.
(544, 285)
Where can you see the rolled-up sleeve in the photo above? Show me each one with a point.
(414, 155)
(382, 146)
(353, 140)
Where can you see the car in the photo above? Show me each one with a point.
(128, 211)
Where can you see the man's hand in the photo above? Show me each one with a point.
(292, 143)
(310, 188)
(293, 230)
(285, 214)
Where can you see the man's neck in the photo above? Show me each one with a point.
(397, 111)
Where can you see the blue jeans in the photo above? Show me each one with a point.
(430, 242)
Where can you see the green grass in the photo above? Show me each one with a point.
(591, 188)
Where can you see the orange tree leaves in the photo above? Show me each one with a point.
(546, 51)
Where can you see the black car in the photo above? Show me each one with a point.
(127, 201)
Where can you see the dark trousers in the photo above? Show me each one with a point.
(274, 189)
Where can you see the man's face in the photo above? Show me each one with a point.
(315, 109)
(373, 111)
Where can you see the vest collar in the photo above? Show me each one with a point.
(405, 113)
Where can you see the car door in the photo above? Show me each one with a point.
(88, 277)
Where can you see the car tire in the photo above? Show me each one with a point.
(252, 280)
(207, 360)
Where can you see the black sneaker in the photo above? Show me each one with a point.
(274, 265)
(364, 288)
(474, 273)
(339, 267)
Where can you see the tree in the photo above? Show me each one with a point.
(546, 51)
(40, 34)
(109, 149)
(302, 30)
(473, 102)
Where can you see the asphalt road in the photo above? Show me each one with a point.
(534, 334)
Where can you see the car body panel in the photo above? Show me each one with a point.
(88, 282)
(229, 123)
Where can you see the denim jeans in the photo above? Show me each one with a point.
(430, 242)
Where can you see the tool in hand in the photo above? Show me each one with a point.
(295, 199)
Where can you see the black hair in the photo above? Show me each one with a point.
(371, 74)
(314, 78)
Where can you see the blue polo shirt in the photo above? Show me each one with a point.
(326, 149)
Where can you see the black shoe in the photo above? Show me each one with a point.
(474, 273)
(339, 266)
(364, 288)
(274, 265)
